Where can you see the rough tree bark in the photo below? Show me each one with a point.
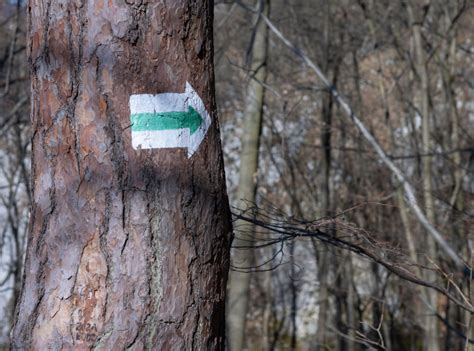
(239, 282)
(127, 248)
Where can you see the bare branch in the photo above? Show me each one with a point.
(409, 191)
(354, 240)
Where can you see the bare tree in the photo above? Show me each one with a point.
(239, 282)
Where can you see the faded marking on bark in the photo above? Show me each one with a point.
(155, 276)
(90, 294)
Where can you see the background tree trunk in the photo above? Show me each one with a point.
(431, 324)
(239, 282)
(326, 261)
(127, 248)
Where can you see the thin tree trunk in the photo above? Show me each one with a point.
(239, 282)
(323, 255)
(127, 248)
(431, 323)
(294, 296)
(351, 320)
(324, 262)
(456, 201)
(268, 323)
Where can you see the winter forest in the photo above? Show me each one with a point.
(237, 174)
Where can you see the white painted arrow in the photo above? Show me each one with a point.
(158, 122)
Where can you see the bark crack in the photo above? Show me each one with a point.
(108, 260)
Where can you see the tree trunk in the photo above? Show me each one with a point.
(323, 256)
(127, 248)
(431, 324)
(239, 282)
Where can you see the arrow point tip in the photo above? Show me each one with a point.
(196, 120)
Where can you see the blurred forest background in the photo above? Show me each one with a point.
(334, 253)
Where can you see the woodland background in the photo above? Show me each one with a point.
(406, 68)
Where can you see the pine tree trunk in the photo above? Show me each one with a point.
(127, 248)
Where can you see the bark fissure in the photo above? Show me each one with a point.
(76, 68)
(104, 251)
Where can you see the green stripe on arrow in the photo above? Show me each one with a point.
(166, 121)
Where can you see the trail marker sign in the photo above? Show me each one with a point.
(168, 120)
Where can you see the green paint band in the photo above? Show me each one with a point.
(166, 121)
